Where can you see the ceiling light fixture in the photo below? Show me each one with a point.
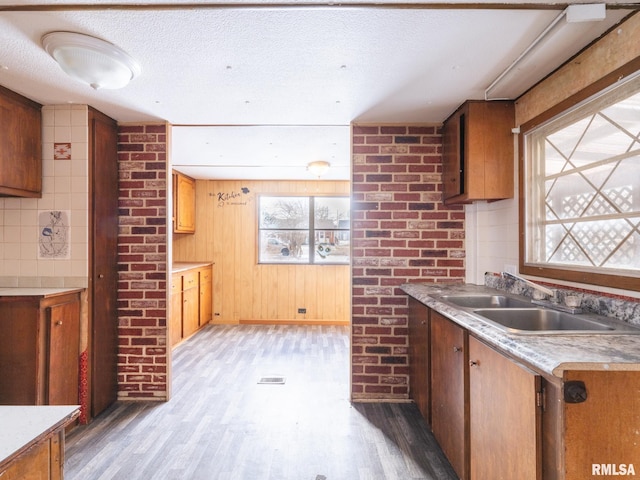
(91, 60)
(318, 168)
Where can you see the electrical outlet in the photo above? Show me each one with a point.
(302, 310)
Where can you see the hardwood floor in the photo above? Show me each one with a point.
(222, 424)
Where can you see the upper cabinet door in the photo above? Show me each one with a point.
(20, 146)
(184, 203)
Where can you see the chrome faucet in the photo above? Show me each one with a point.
(547, 291)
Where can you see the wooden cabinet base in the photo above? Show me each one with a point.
(43, 461)
(191, 301)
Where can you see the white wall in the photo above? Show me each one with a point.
(64, 187)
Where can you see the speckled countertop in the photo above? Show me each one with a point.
(22, 426)
(551, 354)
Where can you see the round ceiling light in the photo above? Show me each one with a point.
(318, 168)
(91, 60)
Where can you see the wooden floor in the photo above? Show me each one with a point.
(222, 424)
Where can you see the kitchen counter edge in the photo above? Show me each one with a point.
(551, 354)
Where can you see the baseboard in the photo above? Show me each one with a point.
(292, 322)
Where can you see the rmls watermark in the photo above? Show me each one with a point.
(613, 469)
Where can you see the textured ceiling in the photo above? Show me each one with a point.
(259, 90)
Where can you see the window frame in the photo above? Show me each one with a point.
(613, 280)
(311, 230)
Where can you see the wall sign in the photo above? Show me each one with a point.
(233, 198)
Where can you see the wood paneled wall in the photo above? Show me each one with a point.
(243, 290)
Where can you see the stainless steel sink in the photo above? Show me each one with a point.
(540, 320)
(486, 301)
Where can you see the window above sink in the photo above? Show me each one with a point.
(580, 211)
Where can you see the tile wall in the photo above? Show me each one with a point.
(65, 189)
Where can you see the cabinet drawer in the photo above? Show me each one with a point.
(189, 280)
(205, 274)
(176, 283)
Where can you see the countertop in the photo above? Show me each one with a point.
(182, 266)
(21, 426)
(35, 292)
(551, 354)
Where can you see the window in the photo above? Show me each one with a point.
(304, 230)
(582, 189)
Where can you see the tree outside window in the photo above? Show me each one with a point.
(304, 230)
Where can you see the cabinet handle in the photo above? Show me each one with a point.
(457, 349)
(474, 363)
(101, 276)
(59, 322)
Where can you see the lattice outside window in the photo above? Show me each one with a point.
(582, 186)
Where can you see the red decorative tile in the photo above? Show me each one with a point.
(62, 151)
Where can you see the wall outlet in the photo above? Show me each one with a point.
(302, 310)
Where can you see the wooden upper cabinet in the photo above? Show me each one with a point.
(184, 203)
(478, 155)
(20, 146)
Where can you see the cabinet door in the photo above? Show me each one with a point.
(419, 356)
(205, 289)
(20, 145)
(64, 341)
(452, 153)
(603, 430)
(184, 204)
(103, 260)
(176, 309)
(19, 366)
(449, 391)
(504, 417)
(190, 305)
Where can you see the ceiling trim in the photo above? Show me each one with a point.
(212, 5)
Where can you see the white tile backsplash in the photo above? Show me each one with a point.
(65, 187)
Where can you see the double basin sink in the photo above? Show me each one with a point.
(519, 315)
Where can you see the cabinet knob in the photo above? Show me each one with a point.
(59, 322)
(474, 363)
(457, 349)
(101, 276)
(423, 322)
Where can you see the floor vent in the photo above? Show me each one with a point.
(272, 380)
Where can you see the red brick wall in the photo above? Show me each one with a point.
(401, 232)
(142, 246)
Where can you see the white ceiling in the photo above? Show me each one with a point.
(258, 90)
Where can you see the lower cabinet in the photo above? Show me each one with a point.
(190, 305)
(205, 288)
(504, 417)
(419, 380)
(450, 391)
(496, 418)
(39, 349)
(33, 441)
(43, 461)
(191, 301)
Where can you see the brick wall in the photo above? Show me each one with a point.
(401, 232)
(142, 248)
